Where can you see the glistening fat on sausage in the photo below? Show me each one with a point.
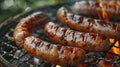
(98, 9)
(84, 24)
(54, 53)
(86, 41)
(27, 25)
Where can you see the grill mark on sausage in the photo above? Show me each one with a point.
(88, 41)
(27, 25)
(65, 55)
(95, 9)
(102, 27)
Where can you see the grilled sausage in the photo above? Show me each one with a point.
(98, 9)
(27, 25)
(84, 24)
(87, 41)
(54, 53)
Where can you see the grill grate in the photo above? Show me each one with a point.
(19, 57)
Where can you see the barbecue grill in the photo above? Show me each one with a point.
(13, 56)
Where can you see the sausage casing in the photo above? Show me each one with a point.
(54, 53)
(84, 24)
(98, 9)
(27, 25)
(87, 41)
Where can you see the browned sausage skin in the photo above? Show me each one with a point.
(97, 9)
(27, 25)
(54, 53)
(87, 41)
(81, 23)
